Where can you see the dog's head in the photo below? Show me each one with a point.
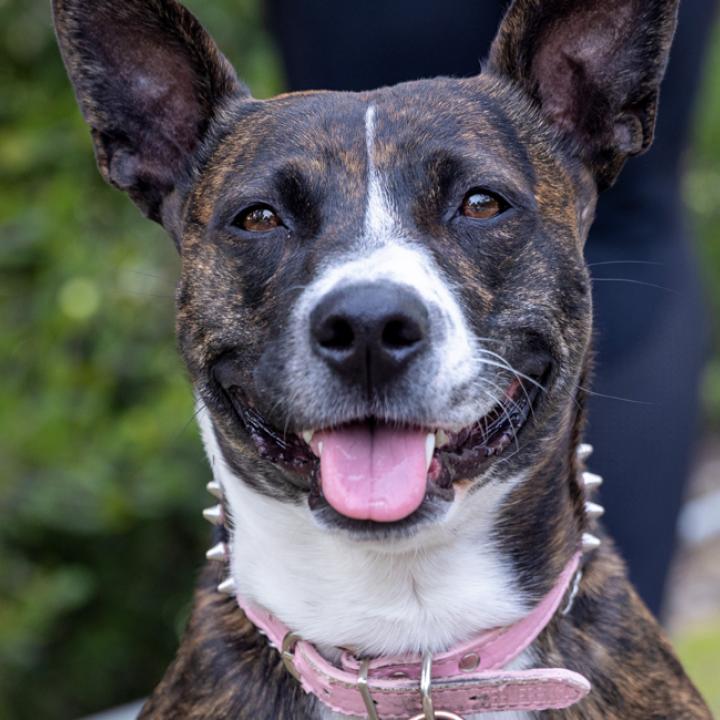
(383, 302)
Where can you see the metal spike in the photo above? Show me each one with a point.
(227, 586)
(593, 510)
(590, 542)
(213, 515)
(591, 480)
(213, 487)
(216, 552)
(584, 451)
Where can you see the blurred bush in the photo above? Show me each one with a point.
(702, 194)
(101, 472)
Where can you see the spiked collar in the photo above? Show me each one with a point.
(469, 678)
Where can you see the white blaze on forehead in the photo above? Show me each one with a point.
(387, 251)
(381, 220)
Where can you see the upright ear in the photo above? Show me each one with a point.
(594, 67)
(149, 80)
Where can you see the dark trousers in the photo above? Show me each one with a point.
(650, 342)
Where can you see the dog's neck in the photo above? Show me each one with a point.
(500, 550)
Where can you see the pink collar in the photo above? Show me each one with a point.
(465, 680)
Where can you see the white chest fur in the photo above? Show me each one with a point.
(417, 596)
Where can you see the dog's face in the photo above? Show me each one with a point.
(383, 302)
(405, 283)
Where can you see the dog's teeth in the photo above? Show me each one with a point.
(584, 451)
(213, 515)
(429, 449)
(213, 487)
(307, 435)
(593, 510)
(591, 480)
(590, 542)
(441, 438)
(227, 586)
(216, 552)
(320, 448)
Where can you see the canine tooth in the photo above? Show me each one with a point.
(213, 487)
(591, 480)
(590, 542)
(429, 449)
(441, 438)
(594, 510)
(213, 514)
(216, 552)
(320, 448)
(227, 586)
(307, 435)
(584, 451)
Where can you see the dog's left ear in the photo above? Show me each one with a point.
(594, 67)
(149, 81)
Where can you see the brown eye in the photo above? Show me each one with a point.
(258, 218)
(482, 205)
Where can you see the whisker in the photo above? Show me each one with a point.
(625, 262)
(632, 281)
(508, 417)
(615, 397)
(197, 411)
(517, 376)
(511, 369)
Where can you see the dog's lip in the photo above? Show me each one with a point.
(446, 438)
(459, 454)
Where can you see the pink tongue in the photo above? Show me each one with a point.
(377, 474)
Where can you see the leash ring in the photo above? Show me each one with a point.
(362, 685)
(426, 686)
(429, 712)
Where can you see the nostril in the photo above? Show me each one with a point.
(369, 332)
(336, 333)
(400, 333)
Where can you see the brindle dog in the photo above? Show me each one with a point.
(400, 273)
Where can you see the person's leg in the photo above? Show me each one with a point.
(343, 45)
(649, 342)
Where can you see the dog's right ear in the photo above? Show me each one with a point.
(149, 80)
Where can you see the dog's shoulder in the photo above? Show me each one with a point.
(611, 638)
(225, 668)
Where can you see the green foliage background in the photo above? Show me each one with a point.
(101, 471)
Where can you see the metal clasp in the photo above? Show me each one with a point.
(288, 645)
(429, 712)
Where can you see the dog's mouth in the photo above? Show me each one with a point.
(376, 471)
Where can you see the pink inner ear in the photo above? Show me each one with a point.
(154, 82)
(148, 78)
(630, 135)
(573, 65)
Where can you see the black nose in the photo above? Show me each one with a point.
(369, 332)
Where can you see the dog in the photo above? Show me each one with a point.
(386, 316)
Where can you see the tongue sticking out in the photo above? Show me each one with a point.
(373, 473)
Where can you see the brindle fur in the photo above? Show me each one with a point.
(174, 128)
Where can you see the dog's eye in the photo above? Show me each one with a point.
(482, 204)
(258, 218)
